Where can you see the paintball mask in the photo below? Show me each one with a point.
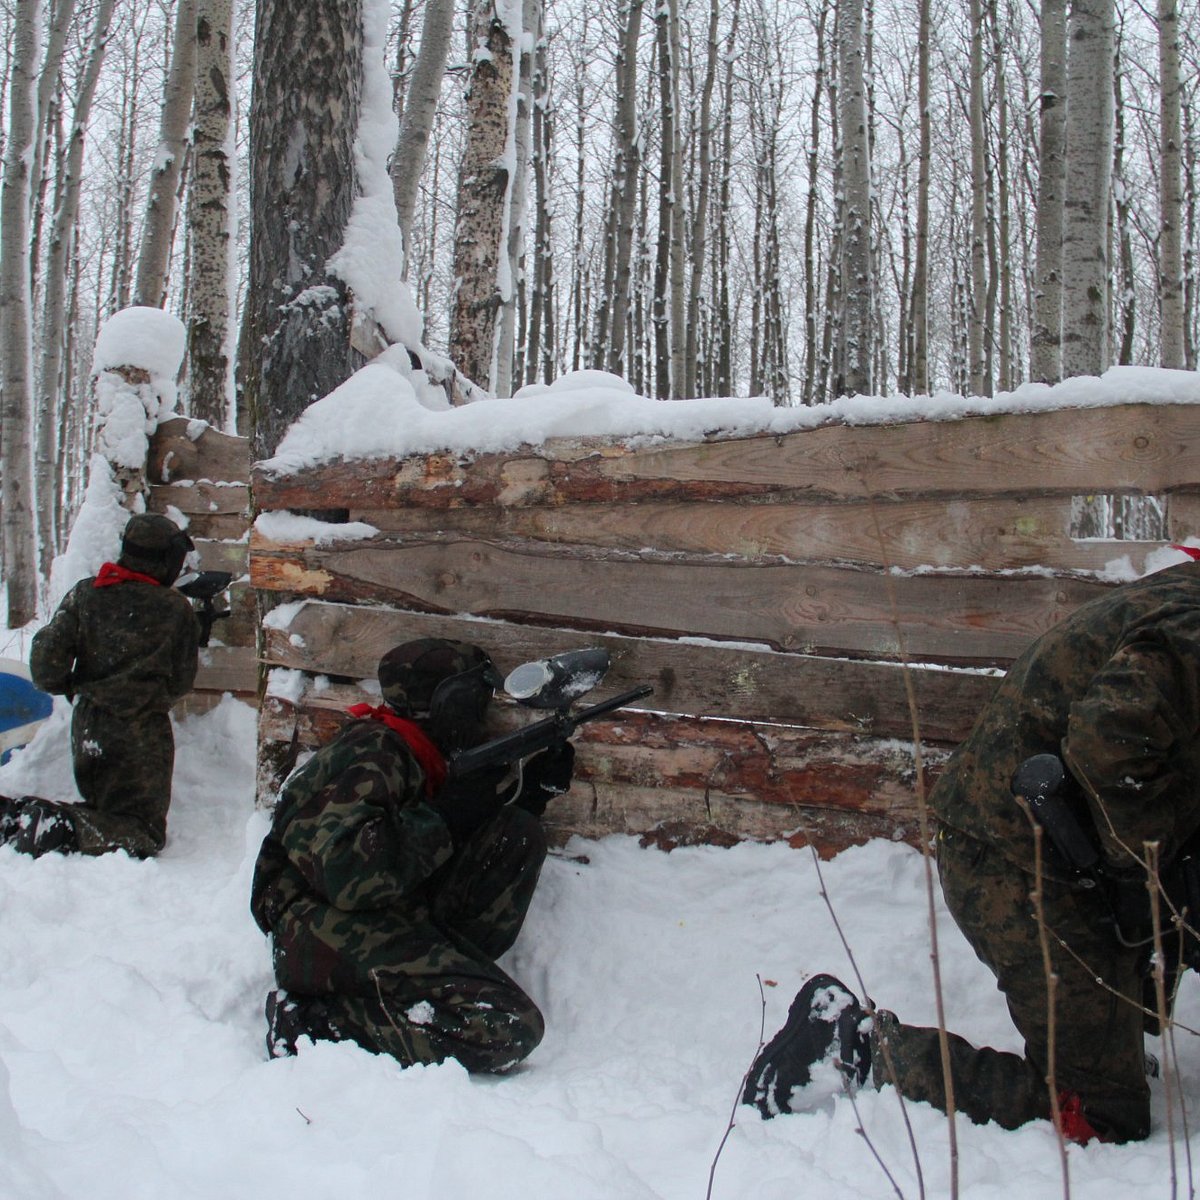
(446, 685)
(155, 546)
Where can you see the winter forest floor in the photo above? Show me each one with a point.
(131, 1033)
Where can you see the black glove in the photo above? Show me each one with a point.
(545, 776)
(467, 803)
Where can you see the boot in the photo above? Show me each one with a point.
(289, 1018)
(825, 1025)
(35, 827)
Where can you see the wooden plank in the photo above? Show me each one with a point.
(1139, 448)
(746, 682)
(230, 556)
(228, 669)
(184, 449)
(967, 619)
(202, 497)
(679, 780)
(996, 533)
(1183, 515)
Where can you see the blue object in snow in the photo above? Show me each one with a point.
(22, 707)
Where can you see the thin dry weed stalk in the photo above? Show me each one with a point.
(925, 832)
(762, 1033)
(1051, 993)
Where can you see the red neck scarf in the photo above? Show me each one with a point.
(111, 573)
(430, 758)
(1191, 551)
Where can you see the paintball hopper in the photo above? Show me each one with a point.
(205, 586)
(559, 681)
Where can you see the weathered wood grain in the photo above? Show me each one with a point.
(744, 682)
(1128, 448)
(674, 780)
(993, 533)
(174, 454)
(969, 619)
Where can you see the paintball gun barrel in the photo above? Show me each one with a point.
(206, 586)
(550, 683)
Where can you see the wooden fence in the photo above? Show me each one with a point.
(199, 476)
(784, 595)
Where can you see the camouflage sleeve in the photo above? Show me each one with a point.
(55, 645)
(362, 841)
(1127, 742)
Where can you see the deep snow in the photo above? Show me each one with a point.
(133, 1061)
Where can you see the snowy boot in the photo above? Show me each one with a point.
(35, 827)
(827, 1036)
(289, 1018)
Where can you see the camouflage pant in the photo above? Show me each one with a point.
(1098, 1026)
(123, 770)
(447, 998)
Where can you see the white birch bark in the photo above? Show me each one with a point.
(976, 330)
(61, 14)
(420, 107)
(1170, 238)
(856, 282)
(162, 201)
(518, 200)
(482, 193)
(1046, 340)
(1088, 187)
(16, 335)
(209, 215)
(920, 291)
(49, 395)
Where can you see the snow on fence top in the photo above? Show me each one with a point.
(386, 410)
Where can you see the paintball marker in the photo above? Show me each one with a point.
(551, 683)
(1043, 783)
(1040, 781)
(205, 586)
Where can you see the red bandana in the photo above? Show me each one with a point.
(111, 573)
(1190, 551)
(424, 751)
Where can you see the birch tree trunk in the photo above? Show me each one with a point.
(16, 334)
(613, 311)
(1170, 239)
(541, 351)
(704, 136)
(979, 219)
(677, 249)
(1046, 343)
(420, 107)
(518, 197)
(482, 194)
(49, 395)
(162, 202)
(919, 323)
(295, 345)
(210, 215)
(1088, 187)
(61, 15)
(856, 280)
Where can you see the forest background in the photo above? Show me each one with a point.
(792, 198)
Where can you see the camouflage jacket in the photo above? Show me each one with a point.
(130, 649)
(1115, 689)
(339, 880)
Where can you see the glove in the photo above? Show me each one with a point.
(545, 776)
(466, 804)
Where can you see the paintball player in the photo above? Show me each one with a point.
(388, 893)
(1114, 692)
(123, 646)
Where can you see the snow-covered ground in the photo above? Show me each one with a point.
(131, 1032)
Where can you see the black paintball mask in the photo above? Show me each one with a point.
(444, 685)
